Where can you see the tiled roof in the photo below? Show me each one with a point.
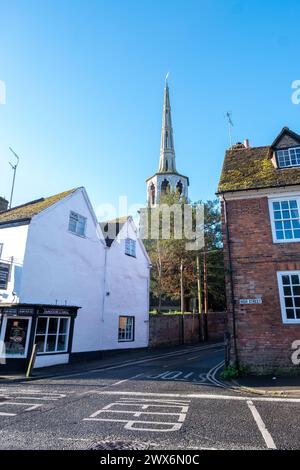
(112, 228)
(252, 168)
(27, 211)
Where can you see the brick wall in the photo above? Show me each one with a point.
(168, 330)
(263, 340)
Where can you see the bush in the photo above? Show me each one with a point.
(232, 372)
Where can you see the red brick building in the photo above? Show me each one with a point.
(259, 191)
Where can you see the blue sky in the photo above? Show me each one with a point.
(84, 89)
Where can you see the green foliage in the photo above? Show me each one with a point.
(167, 255)
(232, 372)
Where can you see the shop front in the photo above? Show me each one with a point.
(23, 325)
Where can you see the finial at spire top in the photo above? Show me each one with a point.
(167, 76)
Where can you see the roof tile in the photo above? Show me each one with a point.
(27, 211)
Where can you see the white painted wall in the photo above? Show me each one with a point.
(50, 360)
(65, 268)
(127, 282)
(14, 244)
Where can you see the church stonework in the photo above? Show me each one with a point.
(167, 177)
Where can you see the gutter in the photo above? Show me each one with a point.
(232, 296)
(258, 188)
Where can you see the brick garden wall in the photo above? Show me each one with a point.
(263, 340)
(171, 330)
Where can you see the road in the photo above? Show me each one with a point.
(170, 399)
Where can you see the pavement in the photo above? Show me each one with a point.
(270, 385)
(163, 399)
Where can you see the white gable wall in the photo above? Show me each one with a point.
(127, 286)
(65, 268)
(14, 245)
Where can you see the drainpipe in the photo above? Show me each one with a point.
(230, 271)
(104, 281)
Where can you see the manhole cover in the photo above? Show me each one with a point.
(120, 445)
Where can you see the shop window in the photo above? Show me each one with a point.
(16, 333)
(52, 335)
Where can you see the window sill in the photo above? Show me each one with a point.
(291, 322)
(131, 256)
(51, 353)
(77, 234)
(294, 240)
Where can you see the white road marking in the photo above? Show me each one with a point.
(11, 397)
(126, 380)
(138, 408)
(74, 439)
(205, 396)
(30, 405)
(194, 357)
(23, 394)
(141, 361)
(130, 424)
(211, 375)
(182, 376)
(26, 397)
(166, 402)
(188, 375)
(261, 426)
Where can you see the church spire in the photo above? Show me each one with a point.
(167, 151)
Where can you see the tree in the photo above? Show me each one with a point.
(168, 256)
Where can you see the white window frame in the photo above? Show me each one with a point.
(286, 197)
(288, 150)
(285, 320)
(126, 340)
(73, 213)
(130, 247)
(43, 353)
(8, 275)
(2, 337)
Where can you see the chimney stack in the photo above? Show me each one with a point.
(246, 143)
(3, 204)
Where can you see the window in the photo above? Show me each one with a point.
(4, 275)
(289, 288)
(285, 220)
(52, 334)
(77, 224)
(288, 157)
(16, 337)
(1, 249)
(130, 247)
(126, 329)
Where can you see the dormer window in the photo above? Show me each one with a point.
(288, 157)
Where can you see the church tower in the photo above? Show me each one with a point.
(167, 177)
